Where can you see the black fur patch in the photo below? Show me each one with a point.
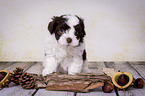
(60, 30)
(57, 21)
(84, 55)
(80, 33)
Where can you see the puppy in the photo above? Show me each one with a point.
(65, 46)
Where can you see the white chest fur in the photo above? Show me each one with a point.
(64, 55)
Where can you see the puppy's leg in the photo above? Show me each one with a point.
(75, 66)
(50, 65)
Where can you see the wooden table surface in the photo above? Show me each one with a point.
(137, 69)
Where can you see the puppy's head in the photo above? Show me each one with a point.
(68, 29)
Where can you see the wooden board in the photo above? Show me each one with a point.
(44, 92)
(135, 68)
(4, 65)
(125, 67)
(37, 69)
(24, 65)
(96, 67)
(97, 92)
(17, 90)
(139, 67)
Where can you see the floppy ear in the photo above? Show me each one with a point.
(82, 26)
(81, 21)
(53, 24)
(51, 27)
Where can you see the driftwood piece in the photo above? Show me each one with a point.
(81, 82)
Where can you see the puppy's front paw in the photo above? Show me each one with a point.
(46, 71)
(72, 73)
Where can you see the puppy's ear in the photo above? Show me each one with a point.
(56, 21)
(51, 27)
(83, 26)
(81, 21)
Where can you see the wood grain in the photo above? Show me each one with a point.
(139, 67)
(44, 92)
(4, 65)
(24, 65)
(96, 67)
(37, 69)
(135, 68)
(17, 90)
(76, 83)
(125, 67)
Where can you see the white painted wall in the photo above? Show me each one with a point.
(115, 28)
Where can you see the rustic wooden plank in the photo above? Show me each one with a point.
(53, 93)
(122, 66)
(23, 65)
(97, 92)
(139, 67)
(135, 92)
(125, 67)
(96, 67)
(109, 64)
(4, 65)
(17, 90)
(37, 69)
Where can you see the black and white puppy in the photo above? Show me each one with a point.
(65, 46)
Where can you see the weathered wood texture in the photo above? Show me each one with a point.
(44, 92)
(126, 67)
(13, 89)
(77, 83)
(3, 65)
(96, 67)
(37, 69)
(137, 69)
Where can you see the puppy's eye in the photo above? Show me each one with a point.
(76, 33)
(60, 32)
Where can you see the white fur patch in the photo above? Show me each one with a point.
(72, 20)
(70, 34)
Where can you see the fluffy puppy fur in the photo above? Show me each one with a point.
(65, 46)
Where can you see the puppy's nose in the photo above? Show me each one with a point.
(69, 40)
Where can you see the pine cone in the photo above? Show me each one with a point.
(27, 81)
(16, 75)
